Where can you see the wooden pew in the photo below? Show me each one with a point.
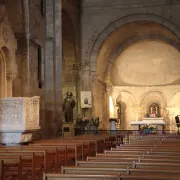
(105, 177)
(165, 171)
(30, 163)
(57, 155)
(125, 171)
(48, 155)
(79, 176)
(66, 151)
(6, 171)
(153, 156)
(122, 164)
(150, 177)
(137, 155)
(131, 159)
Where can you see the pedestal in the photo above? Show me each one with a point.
(112, 124)
(19, 118)
(68, 129)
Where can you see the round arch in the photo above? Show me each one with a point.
(96, 45)
(8, 46)
(153, 97)
(2, 75)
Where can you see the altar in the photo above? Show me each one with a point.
(158, 122)
(153, 120)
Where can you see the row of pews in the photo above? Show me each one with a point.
(145, 158)
(29, 162)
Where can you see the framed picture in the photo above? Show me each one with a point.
(86, 99)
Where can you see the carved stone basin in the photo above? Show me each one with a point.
(19, 117)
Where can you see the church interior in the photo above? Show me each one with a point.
(89, 89)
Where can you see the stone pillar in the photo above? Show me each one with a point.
(58, 66)
(53, 64)
(49, 67)
(27, 90)
(9, 78)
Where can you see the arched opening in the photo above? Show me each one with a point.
(6, 72)
(139, 57)
(8, 59)
(2, 76)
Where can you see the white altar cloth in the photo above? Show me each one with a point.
(153, 121)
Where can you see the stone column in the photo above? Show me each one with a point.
(9, 78)
(53, 65)
(27, 90)
(49, 68)
(58, 65)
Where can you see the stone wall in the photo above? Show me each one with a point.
(71, 46)
(27, 20)
(61, 53)
(37, 26)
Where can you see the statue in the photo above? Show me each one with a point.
(154, 110)
(118, 104)
(68, 106)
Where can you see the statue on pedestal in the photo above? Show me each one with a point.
(67, 107)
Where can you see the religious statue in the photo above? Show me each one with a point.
(118, 104)
(154, 110)
(68, 106)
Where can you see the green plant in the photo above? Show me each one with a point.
(82, 122)
(85, 122)
(96, 122)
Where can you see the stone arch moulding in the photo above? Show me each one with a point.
(116, 53)
(126, 97)
(2, 75)
(175, 99)
(96, 45)
(8, 46)
(153, 97)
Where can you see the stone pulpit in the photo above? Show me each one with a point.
(19, 117)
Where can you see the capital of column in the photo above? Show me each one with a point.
(85, 72)
(10, 76)
(109, 89)
(28, 35)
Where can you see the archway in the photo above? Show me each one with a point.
(6, 73)
(107, 58)
(8, 67)
(2, 76)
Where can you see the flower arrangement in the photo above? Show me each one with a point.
(147, 126)
(84, 123)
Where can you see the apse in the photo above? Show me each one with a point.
(147, 63)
